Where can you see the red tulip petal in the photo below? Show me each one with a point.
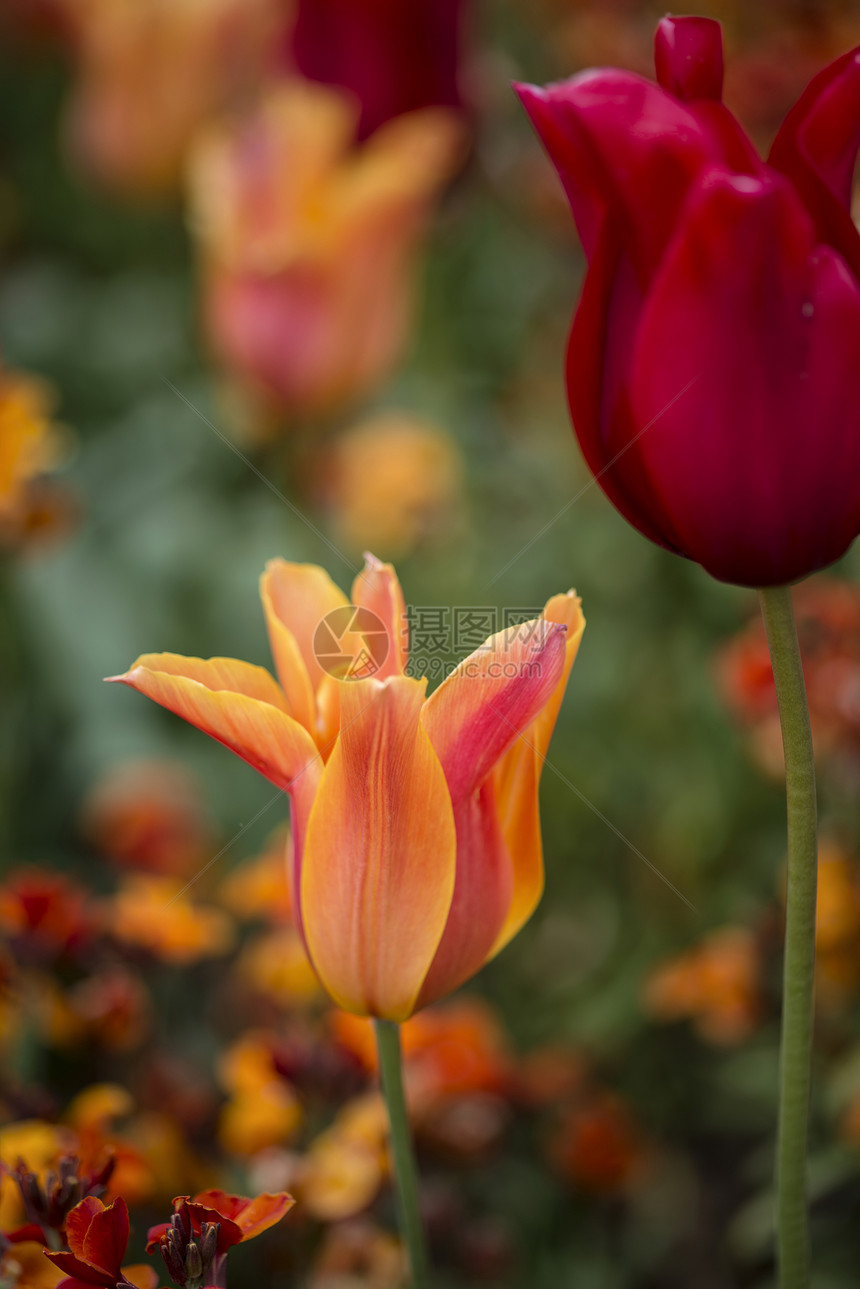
(598, 355)
(486, 703)
(252, 1216)
(688, 56)
(377, 588)
(758, 468)
(625, 147)
(482, 895)
(378, 870)
(817, 149)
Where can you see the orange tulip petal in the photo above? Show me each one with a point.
(296, 597)
(517, 778)
(487, 702)
(380, 856)
(376, 588)
(252, 727)
(217, 673)
(252, 1216)
(482, 895)
(289, 662)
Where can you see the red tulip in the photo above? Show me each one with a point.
(393, 56)
(714, 362)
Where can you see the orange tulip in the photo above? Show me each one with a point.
(417, 849)
(309, 242)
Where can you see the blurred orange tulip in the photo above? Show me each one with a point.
(308, 242)
(417, 849)
(150, 71)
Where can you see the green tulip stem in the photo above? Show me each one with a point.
(405, 1172)
(792, 1216)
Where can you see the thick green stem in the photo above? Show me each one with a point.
(406, 1176)
(792, 1217)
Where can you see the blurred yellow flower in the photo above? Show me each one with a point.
(262, 1110)
(259, 889)
(38, 1144)
(149, 72)
(30, 446)
(277, 966)
(25, 1266)
(393, 482)
(154, 914)
(837, 924)
(359, 1253)
(346, 1165)
(150, 1154)
(308, 241)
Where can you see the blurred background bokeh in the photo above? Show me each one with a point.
(295, 279)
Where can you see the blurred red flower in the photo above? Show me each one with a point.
(149, 815)
(44, 914)
(598, 1146)
(828, 624)
(393, 57)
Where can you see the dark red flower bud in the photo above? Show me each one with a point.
(713, 369)
(48, 1204)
